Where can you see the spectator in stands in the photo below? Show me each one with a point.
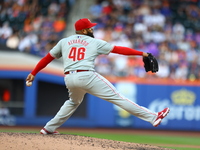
(59, 26)
(13, 41)
(5, 32)
(95, 10)
(27, 41)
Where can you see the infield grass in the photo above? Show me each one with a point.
(173, 142)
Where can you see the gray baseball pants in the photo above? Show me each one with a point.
(80, 83)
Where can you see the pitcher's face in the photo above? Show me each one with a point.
(90, 32)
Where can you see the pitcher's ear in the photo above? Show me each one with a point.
(84, 31)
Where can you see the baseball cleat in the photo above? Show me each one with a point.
(45, 132)
(162, 114)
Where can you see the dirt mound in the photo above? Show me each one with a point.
(32, 141)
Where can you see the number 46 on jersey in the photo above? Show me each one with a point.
(77, 53)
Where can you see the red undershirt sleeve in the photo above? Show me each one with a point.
(42, 63)
(125, 51)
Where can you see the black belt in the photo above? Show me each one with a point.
(68, 72)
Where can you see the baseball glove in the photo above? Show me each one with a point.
(150, 63)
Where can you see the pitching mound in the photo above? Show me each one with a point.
(31, 141)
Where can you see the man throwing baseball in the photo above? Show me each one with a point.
(79, 52)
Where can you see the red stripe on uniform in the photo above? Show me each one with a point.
(122, 97)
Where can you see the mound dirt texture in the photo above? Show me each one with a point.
(32, 141)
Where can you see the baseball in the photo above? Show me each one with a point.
(28, 83)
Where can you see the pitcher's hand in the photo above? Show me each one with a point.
(30, 78)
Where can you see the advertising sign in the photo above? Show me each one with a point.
(183, 101)
(122, 117)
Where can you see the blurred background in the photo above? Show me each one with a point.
(169, 29)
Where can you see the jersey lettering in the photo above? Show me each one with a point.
(77, 53)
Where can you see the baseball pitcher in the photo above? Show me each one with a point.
(78, 53)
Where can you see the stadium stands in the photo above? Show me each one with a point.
(168, 29)
(33, 26)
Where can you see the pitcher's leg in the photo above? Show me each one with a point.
(62, 116)
(66, 110)
(105, 90)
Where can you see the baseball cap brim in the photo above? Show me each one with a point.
(92, 25)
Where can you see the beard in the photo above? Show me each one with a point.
(90, 34)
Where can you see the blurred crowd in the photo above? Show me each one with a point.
(33, 26)
(169, 29)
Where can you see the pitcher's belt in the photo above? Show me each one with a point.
(74, 71)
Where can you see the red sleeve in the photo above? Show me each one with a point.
(125, 51)
(42, 64)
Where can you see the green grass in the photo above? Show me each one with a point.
(158, 140)
(147, 139)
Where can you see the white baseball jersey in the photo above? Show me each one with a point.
(80, 51)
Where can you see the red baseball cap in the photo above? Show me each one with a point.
(83, 23)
